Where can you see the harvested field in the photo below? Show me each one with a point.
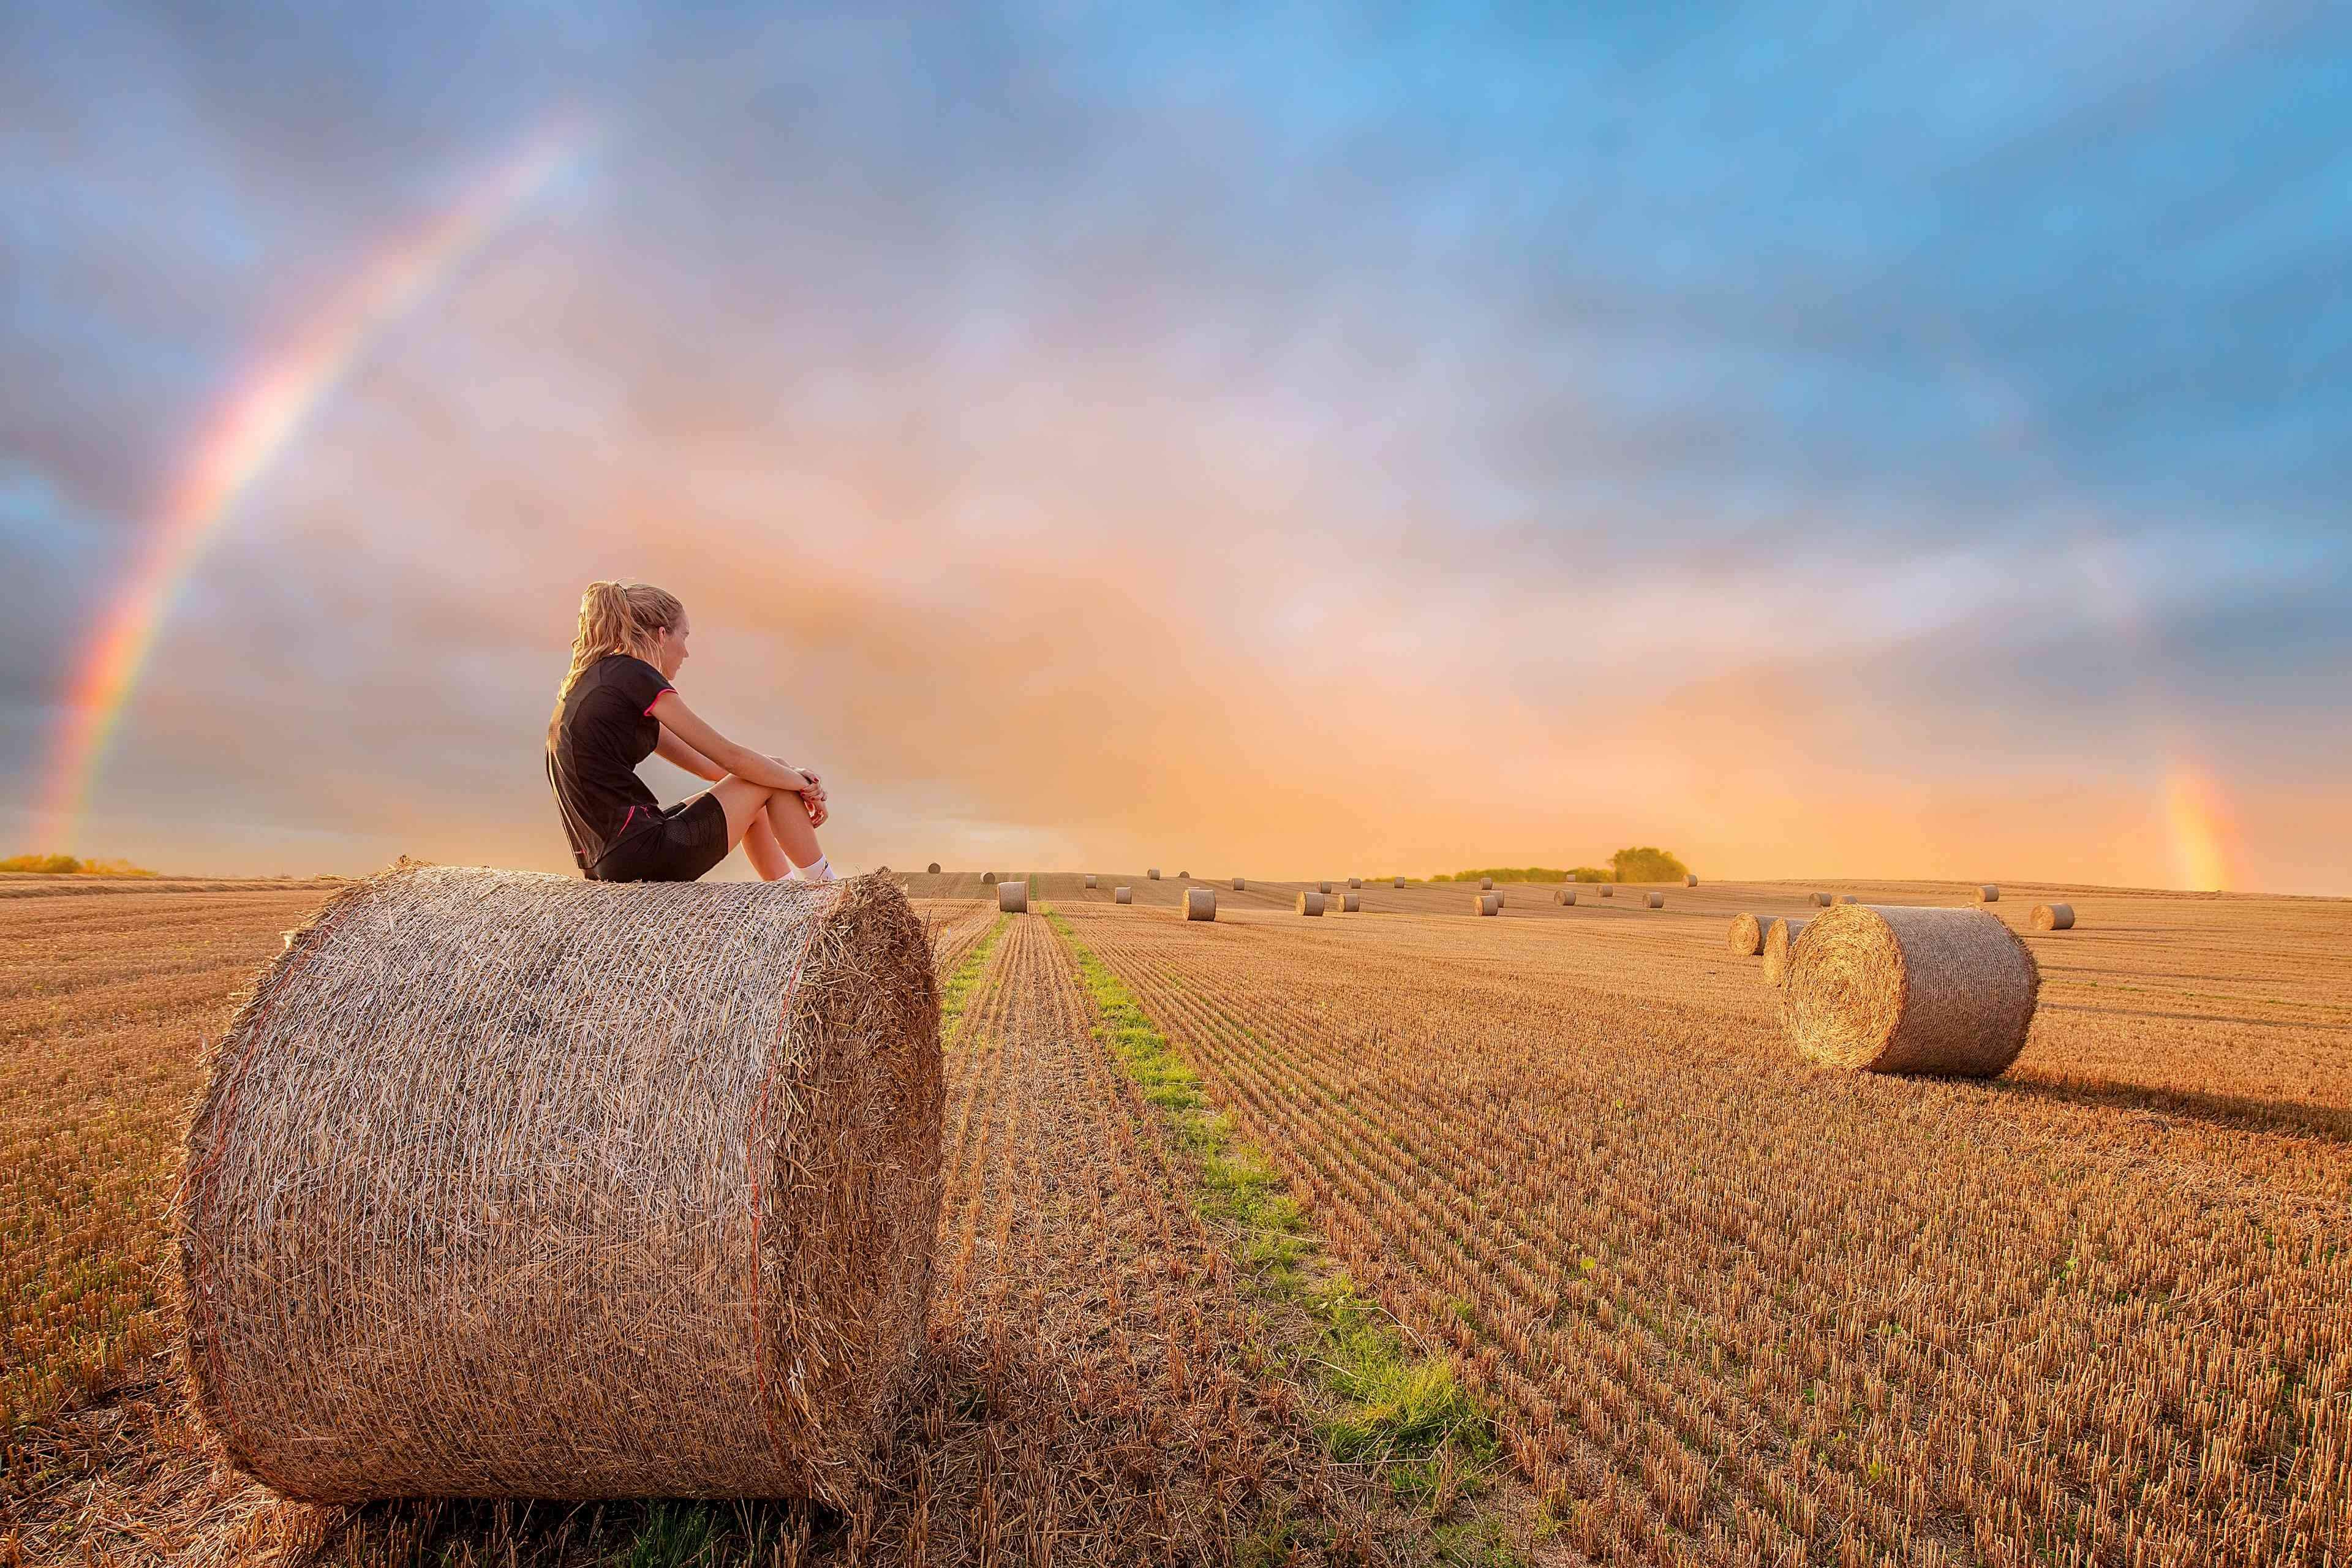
(1722, 1306)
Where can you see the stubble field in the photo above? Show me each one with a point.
(1400, 1235)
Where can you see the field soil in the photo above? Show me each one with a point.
(1717, 1305)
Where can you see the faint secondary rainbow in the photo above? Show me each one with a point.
(261, 413)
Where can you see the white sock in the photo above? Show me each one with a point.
(817, 870)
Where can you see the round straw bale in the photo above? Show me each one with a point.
(1485, 884)
(1091, 878)
(1889, 989)
(2054, 917)
(1655, 900)
(1183, 875)
(1200, 903)
(1988, 894)
(1487, 903)
(1567, 895)
(1013, 897)
(988, 878)
(1689, 880)
(1746, 935)
(1122, 895)
(634, 1198)
(1153, 873)
(1847, 899)
(1778, 941)
(935, 868)
(1323, 888)
(1351, 903)
(1399, 881)
(1607, 891)
(1822, 900)
(1310, 904)
(1355, 881)
(1240, 886)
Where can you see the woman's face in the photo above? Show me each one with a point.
(670, 648)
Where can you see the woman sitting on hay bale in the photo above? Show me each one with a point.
(615, 708)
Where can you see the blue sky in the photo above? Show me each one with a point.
(1827, 440)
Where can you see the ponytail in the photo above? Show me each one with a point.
(619, 618)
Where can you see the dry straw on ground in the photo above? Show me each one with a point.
(1888, 989)
(1310, 904)
(1013, 897)
(505, 1184)
(1351, 903)
(1988, 894)
(1122, 895)
(1567, 895)
(1746, 935)
(1200, 903)
(1655, 900)
(2054, 917)
(1778, 941)
(1487, 903)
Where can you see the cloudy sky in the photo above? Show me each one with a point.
(1817, 442)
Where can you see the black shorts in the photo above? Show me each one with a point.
(684, 841)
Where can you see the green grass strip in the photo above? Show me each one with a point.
(1405, 1413)
(957, 992)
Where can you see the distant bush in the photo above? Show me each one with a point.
(1508, 874)
(1648, 865)
(1588, 874)
(68, 866)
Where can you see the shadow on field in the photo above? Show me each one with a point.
(2238, 1113)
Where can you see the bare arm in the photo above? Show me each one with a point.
(673, 750)
(681, 721)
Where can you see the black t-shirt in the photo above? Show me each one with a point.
(594, 743)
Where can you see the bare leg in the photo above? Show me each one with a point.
(759, 847)
(787, 823)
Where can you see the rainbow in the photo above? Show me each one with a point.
(2199, 818)
(262, 412)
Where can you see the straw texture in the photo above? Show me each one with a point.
(1200, 903)
(1122, 895)
(2054, 917)
(1310, 904)
(1487, 903)
(1013, 897)
(1782, 936)
(505, 1184)
(1746, 935)
(1886, 989)
(1351, 903)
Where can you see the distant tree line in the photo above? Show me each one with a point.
(1643, 864)
(70, 865)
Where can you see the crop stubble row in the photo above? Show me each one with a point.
(1738, 1309)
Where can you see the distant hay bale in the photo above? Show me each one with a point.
(1091, 878)
(1013, 897)
(1240, 886)
(1487, 904)
(1122, 895)
(1485, 884)
(1746, 935)
(635, 1199)
(1567, 895)
(1778, 941)
(1988, 894)
(1183, 875)
(1399, 881)
(935, 868)
(1351, 903)
(1200, 903)
(1323, 888)
(1689, 880)
(1847, 899)
(1655, 900)
(1355, 881)
(2054, 917)
(988, 878)
(1310, 904)
(1822, 900)
(1607, 891)
(1153, 873)
(1888, 989)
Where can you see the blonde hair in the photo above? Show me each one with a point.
(619, 618)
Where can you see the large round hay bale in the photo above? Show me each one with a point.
(634, 1198)
(1487, 903)
(1485, 884)
(1689, 880)
(1746, 935)
(934, 868)
(1988, 894)
(1153, 873)
(1655, 900)
(1013, 897)
(2054, 917)
(1782, 936)
(1351, 903)
(1324, 889)
(1200, 903)
(1091, 878)
(1888, 989)
(1310, 904)
(1239, 885)
(1399, 881)
(1355, 881)
(1122, 895)
(1567, 895)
